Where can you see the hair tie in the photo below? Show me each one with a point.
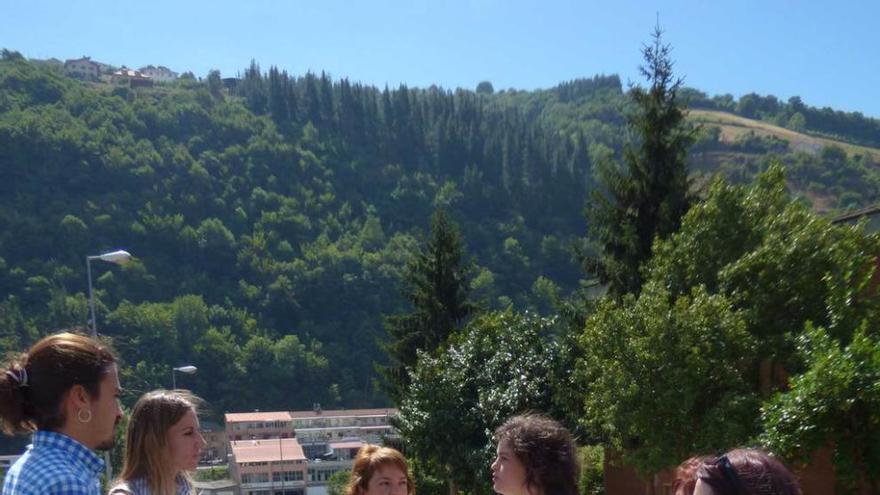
(20, 376)
(728, 471)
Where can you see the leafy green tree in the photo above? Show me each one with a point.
(11, 55)
(337, 482)
(835, 402)
(713, 333)
(666, 378)
(215, 84)
(797, 122)
(648, 196)
(437, 288)
(16, 332)
(485, 88)
(502, 363)
(783, 269)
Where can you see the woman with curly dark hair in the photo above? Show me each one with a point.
(536, 456)
(738, 472)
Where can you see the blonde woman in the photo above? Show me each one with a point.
(162, 445)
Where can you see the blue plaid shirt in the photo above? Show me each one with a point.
(55, 464)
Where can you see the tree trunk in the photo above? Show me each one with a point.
(453, 490)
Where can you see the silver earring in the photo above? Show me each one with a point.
(88, 417)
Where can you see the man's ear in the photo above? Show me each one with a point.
(79, 397)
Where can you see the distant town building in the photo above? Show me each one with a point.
(132, 77)
(217, 444)
(258, 425)
(158, 74)
(83, 68)
(273, 466)
(328, 441)
(339, 457)
(316, 430)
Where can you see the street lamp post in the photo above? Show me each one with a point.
(119, 257)
(188, 369)
(281, 463)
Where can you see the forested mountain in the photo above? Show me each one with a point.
(271, 219)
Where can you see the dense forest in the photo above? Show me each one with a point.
(271, 215)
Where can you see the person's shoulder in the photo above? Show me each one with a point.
(41, 475)
(60, 483)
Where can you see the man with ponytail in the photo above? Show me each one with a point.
(64, 391)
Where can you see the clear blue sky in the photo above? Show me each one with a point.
(826, 52)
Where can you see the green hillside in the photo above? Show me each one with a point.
(734, 127)
(271, 220)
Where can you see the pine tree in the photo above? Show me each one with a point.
(647, 197)
(437, 288)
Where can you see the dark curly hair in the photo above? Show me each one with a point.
(546, 450)
(739, 472)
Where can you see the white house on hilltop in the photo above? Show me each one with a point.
(158, 74)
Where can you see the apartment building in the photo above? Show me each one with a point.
(258, 425)
(274, 466)
(340, 457)
(328, 441)
(316, 430)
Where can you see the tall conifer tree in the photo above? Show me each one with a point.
(648, 195)
(437, 288)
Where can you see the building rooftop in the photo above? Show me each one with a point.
(268, 450)
(855, 215)
(343, 413)
(257, 416)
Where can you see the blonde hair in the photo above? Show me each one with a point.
(370, 458)
(146, 439)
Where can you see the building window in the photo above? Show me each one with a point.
(255, 478)
(288, 476)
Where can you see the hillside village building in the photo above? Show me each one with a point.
(132, 77)
(159, 74)
(83, 68)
